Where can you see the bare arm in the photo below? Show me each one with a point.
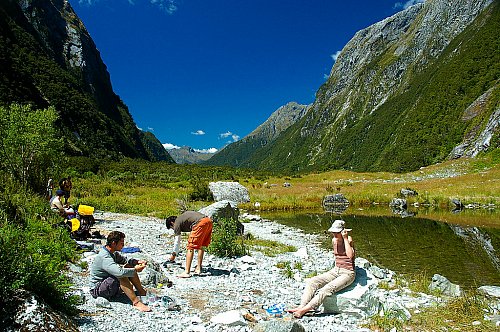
(349, 245)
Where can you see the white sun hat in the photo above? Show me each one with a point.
(338, 226)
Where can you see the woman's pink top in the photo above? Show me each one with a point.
(341, 259)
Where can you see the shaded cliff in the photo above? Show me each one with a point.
(47, 58)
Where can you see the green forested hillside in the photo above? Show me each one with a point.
(154, 148)
(414, 127)
(35, 68)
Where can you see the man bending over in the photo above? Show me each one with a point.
(200, 227)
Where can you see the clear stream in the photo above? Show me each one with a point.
(466, 255)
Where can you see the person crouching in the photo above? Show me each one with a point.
(110, 271)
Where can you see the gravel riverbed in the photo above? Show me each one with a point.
(244, 284)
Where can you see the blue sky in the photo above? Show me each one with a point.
(206, 73)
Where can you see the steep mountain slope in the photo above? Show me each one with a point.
(47, 58)
(396, 97)
(154, 148)
(238, 153)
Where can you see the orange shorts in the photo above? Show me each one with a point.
(201, 234)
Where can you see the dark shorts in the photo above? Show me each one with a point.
(107, 288)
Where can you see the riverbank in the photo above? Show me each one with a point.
(149, 191)
(474, 182)
(247, 285)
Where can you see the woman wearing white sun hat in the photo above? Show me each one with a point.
(341, 276)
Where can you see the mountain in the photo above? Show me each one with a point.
(47, 58)
(154, 148)
(239, 153)
(412, 90)
(188, 155)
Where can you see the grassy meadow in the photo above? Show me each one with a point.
(159, 190)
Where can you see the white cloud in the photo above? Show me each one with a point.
(168, 6)
(227, 134)
(169, 146)
(335, 56)
(211, 150)
(407, 3)
(198, 132)
(87, 2)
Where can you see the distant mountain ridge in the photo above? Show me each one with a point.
(188, 155)
(399, 96)
(238, 153)
(47, 58)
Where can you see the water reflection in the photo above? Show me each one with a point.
(465, 255)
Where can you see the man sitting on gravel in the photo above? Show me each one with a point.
(200, 227)
(111, 271)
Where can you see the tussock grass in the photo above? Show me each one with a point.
(436, 186)
(457, 315)
(268, 247)
(157, 194)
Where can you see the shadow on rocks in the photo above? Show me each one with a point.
(218, 272)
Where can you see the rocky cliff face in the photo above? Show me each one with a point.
(394, 97)
(479, 137)
(380, 60)
(49, 59)
(279, 121)
(238, 154)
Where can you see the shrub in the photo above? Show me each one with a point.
(225, 241)
(33, 253)
(201, 191)
(28, 146)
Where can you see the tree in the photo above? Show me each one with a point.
(29, 148)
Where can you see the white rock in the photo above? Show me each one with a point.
(302, 253)
(101, 302)
(248, 259)
(230, 318)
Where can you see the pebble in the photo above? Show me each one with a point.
(248, 284)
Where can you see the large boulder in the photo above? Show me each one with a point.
(351, 298)
(337, 203)
(444, 286)
(399, 203)
(224, 210)
(406, 192)
(491, 291)
(231, 191)
(28, 312)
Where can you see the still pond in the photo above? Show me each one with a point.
(464, 247)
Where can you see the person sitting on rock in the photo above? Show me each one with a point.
(110, 271)
(200, 227)
(57, 206)
(341, 276)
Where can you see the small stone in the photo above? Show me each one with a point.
(101, 302)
